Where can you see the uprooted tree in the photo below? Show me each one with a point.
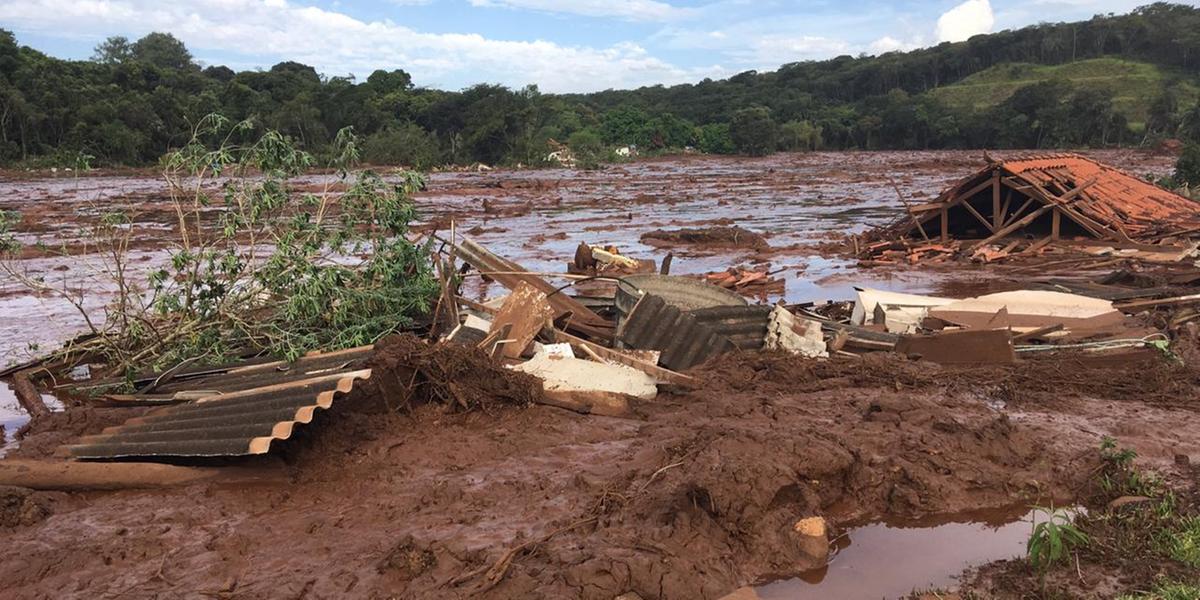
(259, 264)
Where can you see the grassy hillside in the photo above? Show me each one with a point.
(1134, 84)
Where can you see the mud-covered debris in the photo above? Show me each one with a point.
(716, 237)
(407, 370)
(22, 506)
(792, 334)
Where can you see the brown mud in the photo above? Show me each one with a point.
(692, 500)
(466, 488)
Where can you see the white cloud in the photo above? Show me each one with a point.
(965, 20)
(749, 45)
(267, 31)
(888, 43)
(633, 10)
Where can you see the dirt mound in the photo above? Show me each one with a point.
(42, 436)
(714, 237)
(529, 501)
(21, 506)
(407, 370)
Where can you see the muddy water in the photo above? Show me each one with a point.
(535, 217)
(893, 560)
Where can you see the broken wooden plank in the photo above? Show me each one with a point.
(507, 273)
(1138, 305)
(526, 311)
(591, 402)
(1037, 333)
(78, 476)
(1011, 228)
(989, 346)
(28, 396)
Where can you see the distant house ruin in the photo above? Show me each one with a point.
(1050, 198)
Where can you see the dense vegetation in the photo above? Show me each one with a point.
(1111, 80)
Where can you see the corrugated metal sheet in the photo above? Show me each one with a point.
(683, 292)
(683, 341)
(745, 326)
(238, 412)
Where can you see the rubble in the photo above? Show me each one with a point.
(713, 237)
(690, 405)
(1026, 207)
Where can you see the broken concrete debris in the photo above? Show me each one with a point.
(579, 375)
(800, 336)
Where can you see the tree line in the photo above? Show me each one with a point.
(136, 100)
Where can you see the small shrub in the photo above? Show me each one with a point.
(1187, 168)
(1053, 539)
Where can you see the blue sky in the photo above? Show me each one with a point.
(560, 45)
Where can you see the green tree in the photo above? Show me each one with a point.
(753, 131)
(623, 125)
(114, 50)
(715, 139)
(799, 135)
(1187, 168)
(405, 144)
(162, 50)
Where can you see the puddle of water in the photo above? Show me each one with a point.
(890, 561)
(13, 417)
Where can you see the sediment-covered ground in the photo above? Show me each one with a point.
(692, 499)
(695, 497)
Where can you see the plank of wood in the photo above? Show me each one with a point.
(988, 346)
(77, 476)
(527, 311)
(1011, 228)
(28, 396)
(590, 402)
(1037, 333)
(1155, 303)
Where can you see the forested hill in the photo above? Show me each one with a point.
(1111, 80)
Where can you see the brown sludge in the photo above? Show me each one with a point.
(429, 502)
(448, 475)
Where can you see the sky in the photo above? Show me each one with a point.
(559, 45)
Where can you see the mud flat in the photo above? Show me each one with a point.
(697, 495)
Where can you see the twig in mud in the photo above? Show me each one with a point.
(655, 475)
(496, 572)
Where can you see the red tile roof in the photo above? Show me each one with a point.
(1116, 199)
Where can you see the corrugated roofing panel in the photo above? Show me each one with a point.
(683, 341)
(226, 423)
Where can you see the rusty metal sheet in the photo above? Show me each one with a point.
(236, 414)
(683, 341)
(745, 326)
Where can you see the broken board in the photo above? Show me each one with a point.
(525, 311)
(988, 346)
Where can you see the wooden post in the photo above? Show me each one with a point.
(28, 396)
(1055, 222)
(997, 213)
(1027, 219)
(945, 225)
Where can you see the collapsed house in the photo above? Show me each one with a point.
(1021, 206)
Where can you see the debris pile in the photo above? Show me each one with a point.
(1040, 205)
(713, 237)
